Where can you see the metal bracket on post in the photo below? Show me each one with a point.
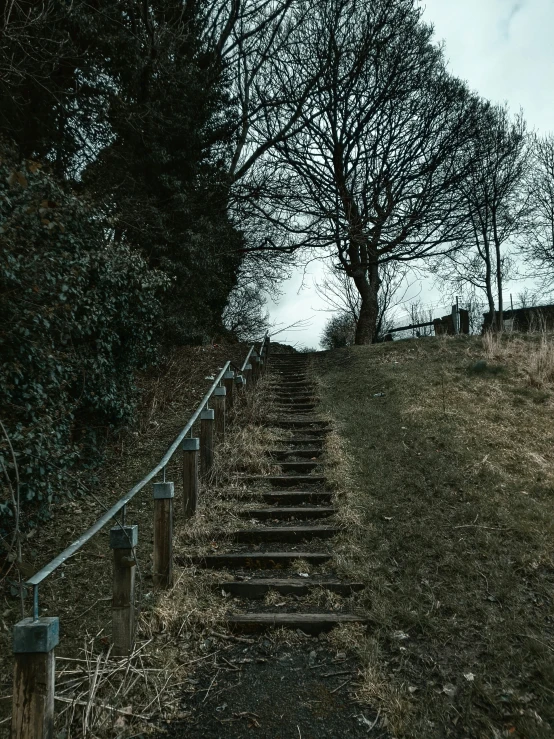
(163, 493)
(206, 441)
(190, 448)
(34, 644)
(219, 403)
(123, 540)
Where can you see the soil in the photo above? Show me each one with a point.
(304, 691)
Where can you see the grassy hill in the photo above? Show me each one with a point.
(444, 463)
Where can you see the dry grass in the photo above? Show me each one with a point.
(445, 487)
(535, 358)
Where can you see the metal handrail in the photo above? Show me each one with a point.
(103, 520)
(48, 569)
(247, 358)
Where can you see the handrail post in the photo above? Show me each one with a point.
(163, 493)
(229, 383)
(34, 644)
(262, 361)
(255, 362)
(206, 441)
(123, 541)
(190, 448)
(218, 402)
(257, 368)
(248, 375)
(240, 382)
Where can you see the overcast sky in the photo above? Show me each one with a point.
(505, 51)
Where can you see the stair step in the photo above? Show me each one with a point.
(307, 440)
(300, 465)
(312, 424)
(295, 393)
(295, 497)
(284, 453)
(286, 497)
(288, 402)
(259, 560)
(293, 409)
(257, 588)
(288, 479)
(287, 534)
(290, 512)
(294, 384)
(309, 623)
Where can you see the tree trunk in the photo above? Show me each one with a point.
(367, 285)
(499, 276)
(488, 282)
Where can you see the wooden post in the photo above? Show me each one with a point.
(206, 441)
(163, 534)
(255, 360)
(123, 540)
(247, 376)
(240, 382)
(218, 402)
(34, 644)
(190, 448)
(229, 382)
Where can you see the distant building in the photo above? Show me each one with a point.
(532, 318)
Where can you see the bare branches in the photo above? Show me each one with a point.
(540, 244)
(495, 205)
(371, 168)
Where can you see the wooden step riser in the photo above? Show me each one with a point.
(257, 560)
(294, 497)
(292, 407)
(298, 466)
(258, 589)
(286, 453)
(262, 514)
(284, 534)
(309, 623)
(285, 383)
(287, 497)
(289, 401)
(301, 443)
(287, 480)
(298, 425)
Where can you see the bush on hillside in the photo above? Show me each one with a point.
(79, 317)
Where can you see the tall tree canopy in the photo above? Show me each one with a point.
(371, 171)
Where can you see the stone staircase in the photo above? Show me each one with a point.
(296, 511)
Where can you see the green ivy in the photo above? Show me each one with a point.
(79, 315)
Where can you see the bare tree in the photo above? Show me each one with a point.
(339, 293)
(540, 244)
(370, 176)
(496, 207)
(245, 315)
